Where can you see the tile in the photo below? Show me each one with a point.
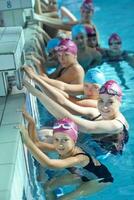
(16, 100)
(1, 113)
(6, 176)
(4, 195)
(2, 102)
(8, 153)
(7, 61)
(7, 47)
(12, 114)
(12, 117)
(9, 133)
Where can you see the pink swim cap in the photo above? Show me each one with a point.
(66, 126)
(114, 36)
(87, 5)
(90, 31)
(67, 45)
(111, 87)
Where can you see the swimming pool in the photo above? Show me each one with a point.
(117, 16)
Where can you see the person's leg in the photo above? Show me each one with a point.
(67, 179)
(50, 196)
(85, 189)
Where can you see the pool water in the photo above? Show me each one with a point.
(116, 16)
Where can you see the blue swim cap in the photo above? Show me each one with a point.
(94, 76)
(78, 29)
(52, 44)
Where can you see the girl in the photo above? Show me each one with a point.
(109, 128)
(115, 53)
(66, 52)
(87, 11)
(71, 157)
(87, 56)
(67, 56)
(94, 78)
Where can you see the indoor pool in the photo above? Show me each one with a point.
(116, 16)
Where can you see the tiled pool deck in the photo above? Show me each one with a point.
(13, 174)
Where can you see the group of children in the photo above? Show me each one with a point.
(86, 106)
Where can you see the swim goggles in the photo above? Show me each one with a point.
(65, 126)
(109, 91)
(91, 35)
(71, 49)
(61, 48)
(115, 43)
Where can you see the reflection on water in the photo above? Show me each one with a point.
(108, 21)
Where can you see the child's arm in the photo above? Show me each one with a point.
(57, 96)
(44, 159)
(85, 126)
(33, 134)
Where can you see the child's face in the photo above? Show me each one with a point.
(91, 89)
(92, 41)
(115, 45)
(66, 58)
(81, 41)
(108, 105)
(63, 143)
(86, 15)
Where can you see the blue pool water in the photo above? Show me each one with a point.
(116, 16)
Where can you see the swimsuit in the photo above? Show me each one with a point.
(60, 72)
(114, 143)
(120, 57)
(101, 171)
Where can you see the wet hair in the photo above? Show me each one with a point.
(114, 36)
(95, 76)
(111, 87)
(66, 126)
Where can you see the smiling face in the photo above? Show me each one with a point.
(66, 59)
(63, 143)
(108, 106)
(91, 90)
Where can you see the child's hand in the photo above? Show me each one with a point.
(29, 71)
(26, 115)
(24, 133)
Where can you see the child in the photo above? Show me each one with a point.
(109, 128)
(71, 157)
